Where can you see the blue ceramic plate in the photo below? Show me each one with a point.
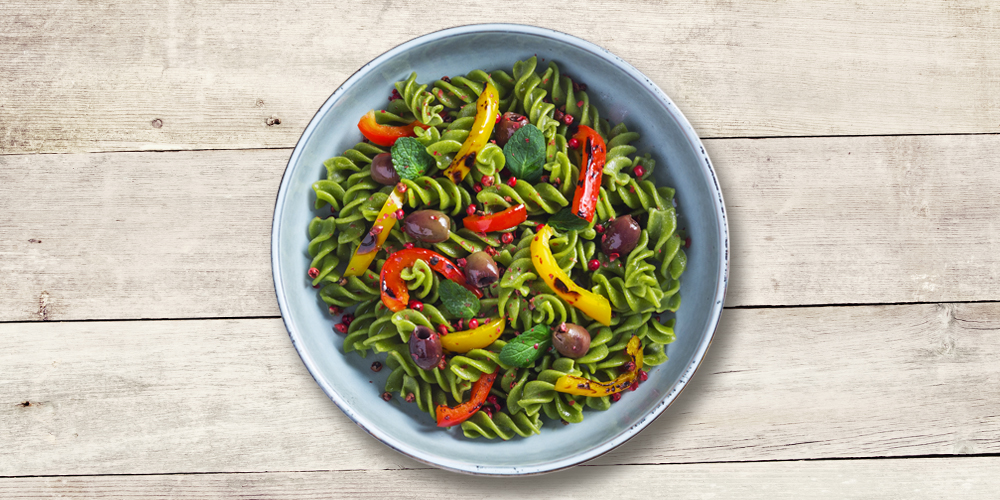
(621, 93)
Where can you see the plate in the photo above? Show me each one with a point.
(621, 93)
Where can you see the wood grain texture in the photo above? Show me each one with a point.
(232, 395)
(185, 234)
(95, 76)
(932, 479)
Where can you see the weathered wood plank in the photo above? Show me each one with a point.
(185, 234)
(232, 396)
(971, 478)
(86, 76)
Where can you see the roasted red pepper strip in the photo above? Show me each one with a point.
(588, 187)
(580, 386)
(496, 222)
(448, 416)
(395, 295)
(385, 135)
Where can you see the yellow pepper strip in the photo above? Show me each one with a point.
(580, 386)
(593, 305)
(482, 128)
(477, 338)
(375, 238)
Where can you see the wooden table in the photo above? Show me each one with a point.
(141, 349)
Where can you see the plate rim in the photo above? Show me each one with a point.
(722, 282)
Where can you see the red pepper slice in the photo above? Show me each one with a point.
(395, 295)
(385, 135)
(499, 221)
(588, 187)
(448, 416)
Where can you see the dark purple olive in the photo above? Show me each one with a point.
(382, 170)
(425, 348)
(480, 270)
(429, 226)
(509, 123)
(572, 341)
(621, 236)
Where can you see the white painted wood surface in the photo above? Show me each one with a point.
(83, 76)
(232, 395)
(162, 402)
(926, 478)
(813, 221)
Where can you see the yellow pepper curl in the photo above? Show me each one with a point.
(482, 128)
(477, 338)
(593, 305)
(375, 238)
(580, 386)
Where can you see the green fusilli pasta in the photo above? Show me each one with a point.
(409, 280)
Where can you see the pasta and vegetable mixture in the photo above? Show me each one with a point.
(504, 246)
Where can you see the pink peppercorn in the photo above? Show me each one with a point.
(568, 119)
(573, 143)
(594, 264)
(340, 327)
(473, 323)
(347, 319)
(407, 245)
(400, 214)
(471, 209)
(313, 272)
(616, 397)
(643, 376)
(416, 305)
(507, 238)
(599, 228)
(461, 262)
(639, 171)
(512, 182)
(443, 330)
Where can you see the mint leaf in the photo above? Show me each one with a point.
(566, 220)
(458, 300)
(525, 153)
(527, 347)
(410, 158)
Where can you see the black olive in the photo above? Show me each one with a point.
(425, 348)
(382, 170)
(572, 341)
(480, 270)
(621, 236)
(509, 123)
(429, 226)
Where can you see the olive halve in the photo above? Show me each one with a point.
(573, 341)
(425, 348)
(429, 226)
(481, 270)
(382, 170)
(620, 236)
(509, 123)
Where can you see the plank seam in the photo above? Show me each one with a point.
(641, 464)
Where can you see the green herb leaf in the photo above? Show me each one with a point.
(410, 158)
(458, 300)
(527, 347)
(525, 153)
(566, 220)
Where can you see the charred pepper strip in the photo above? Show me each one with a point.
(592, 304)
(588, 187)
(376, 236)
(385, 135)
(499, 221)
(580, 386)
(482, 128)
(449, 416)
(476, 338)
(395, 295)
